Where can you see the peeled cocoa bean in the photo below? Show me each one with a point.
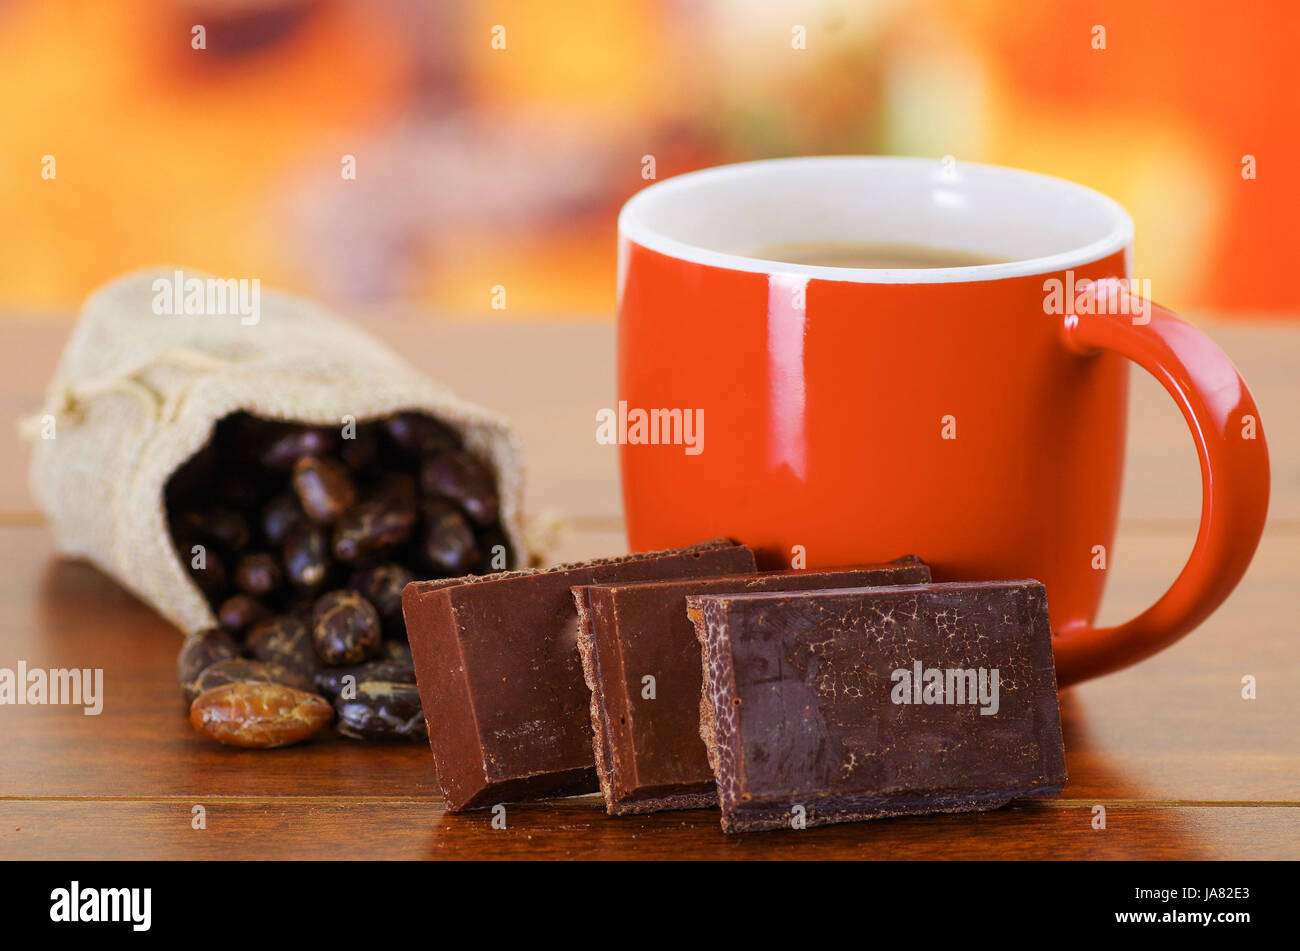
(259, 715)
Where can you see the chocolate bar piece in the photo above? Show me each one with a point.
(496, 662)
(641, 660)
(837, 706)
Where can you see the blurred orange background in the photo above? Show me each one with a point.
(124, 146)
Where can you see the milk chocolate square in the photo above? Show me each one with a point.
(500, 680)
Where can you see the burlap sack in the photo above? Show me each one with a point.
(137, 393)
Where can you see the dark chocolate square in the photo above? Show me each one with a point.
(812, 716)
(641, 660)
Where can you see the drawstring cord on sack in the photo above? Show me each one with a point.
(64, 401)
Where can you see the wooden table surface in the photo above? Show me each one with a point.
(1184, 767)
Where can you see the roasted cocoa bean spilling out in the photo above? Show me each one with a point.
(362, 453)
(382, 586)
(258, 574)
(201, 651)
(239, 611)
(333, 681)
(463, 479)
(381, 710)
(273, 445)
(226, 528)
(345, 628)
(242, 670)
(374, 528)
(302, 537)
(208, 571)
(280, 516)
(447, 542)
(415, 435)
(306, 556)
(324, 488)
(285, 640)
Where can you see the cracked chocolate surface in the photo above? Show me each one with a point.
(649, 755)
(800, 710)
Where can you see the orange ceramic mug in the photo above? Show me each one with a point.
(973, 415)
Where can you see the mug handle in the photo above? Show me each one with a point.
(1229, 440)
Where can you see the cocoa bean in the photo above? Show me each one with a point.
(382, 710)
(259, 715)
(345, 628)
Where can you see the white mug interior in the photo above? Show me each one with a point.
(1029, 223)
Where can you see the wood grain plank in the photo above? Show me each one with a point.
(1170, 744)
(1178, 721)
(579, 829)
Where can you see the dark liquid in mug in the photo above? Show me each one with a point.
(868, 255)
